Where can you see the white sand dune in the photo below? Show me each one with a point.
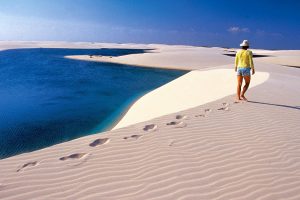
(190, 90)
(216, 150)
(177, 57)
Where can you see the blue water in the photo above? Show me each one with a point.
(46, 99)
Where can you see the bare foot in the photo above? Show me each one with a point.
(237, 99)
(244, 98)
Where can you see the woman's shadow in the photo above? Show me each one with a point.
(279, 105)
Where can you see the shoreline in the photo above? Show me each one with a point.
(109, 60)
(100, 89)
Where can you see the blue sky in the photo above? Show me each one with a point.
(267, 24)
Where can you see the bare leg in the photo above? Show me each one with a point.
(245, 88)
(239, 86)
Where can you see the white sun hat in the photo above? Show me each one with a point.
(245, 43)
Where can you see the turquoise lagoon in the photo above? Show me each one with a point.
(46, 99)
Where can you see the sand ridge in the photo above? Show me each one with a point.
(190, 90)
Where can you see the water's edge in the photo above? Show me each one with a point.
(48, 99)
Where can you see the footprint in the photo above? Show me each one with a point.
(208, 110)
(225, 104)
(150, 127)
(2, 186)
(177, 124)
(171, 143)
(99, 142)
(29, 164)
(240, 101)
(132, 137)
(224, 108)
(73, 156)
(201, 115)
(172, 123)
(181, 117)
(181, 125)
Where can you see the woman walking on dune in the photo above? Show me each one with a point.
(243, 66)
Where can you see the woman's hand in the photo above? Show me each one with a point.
(235, 68)
(253, 71)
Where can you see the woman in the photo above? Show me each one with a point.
(243, 66)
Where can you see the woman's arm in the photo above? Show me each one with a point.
(236, 62)
(251, 62)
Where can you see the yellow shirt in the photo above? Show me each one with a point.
(243, 59)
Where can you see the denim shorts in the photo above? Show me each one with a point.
(244, 71)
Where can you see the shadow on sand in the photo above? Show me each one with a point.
(254, 55)
(279, 105)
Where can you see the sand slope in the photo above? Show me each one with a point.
(188, 91)
(219, 150)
